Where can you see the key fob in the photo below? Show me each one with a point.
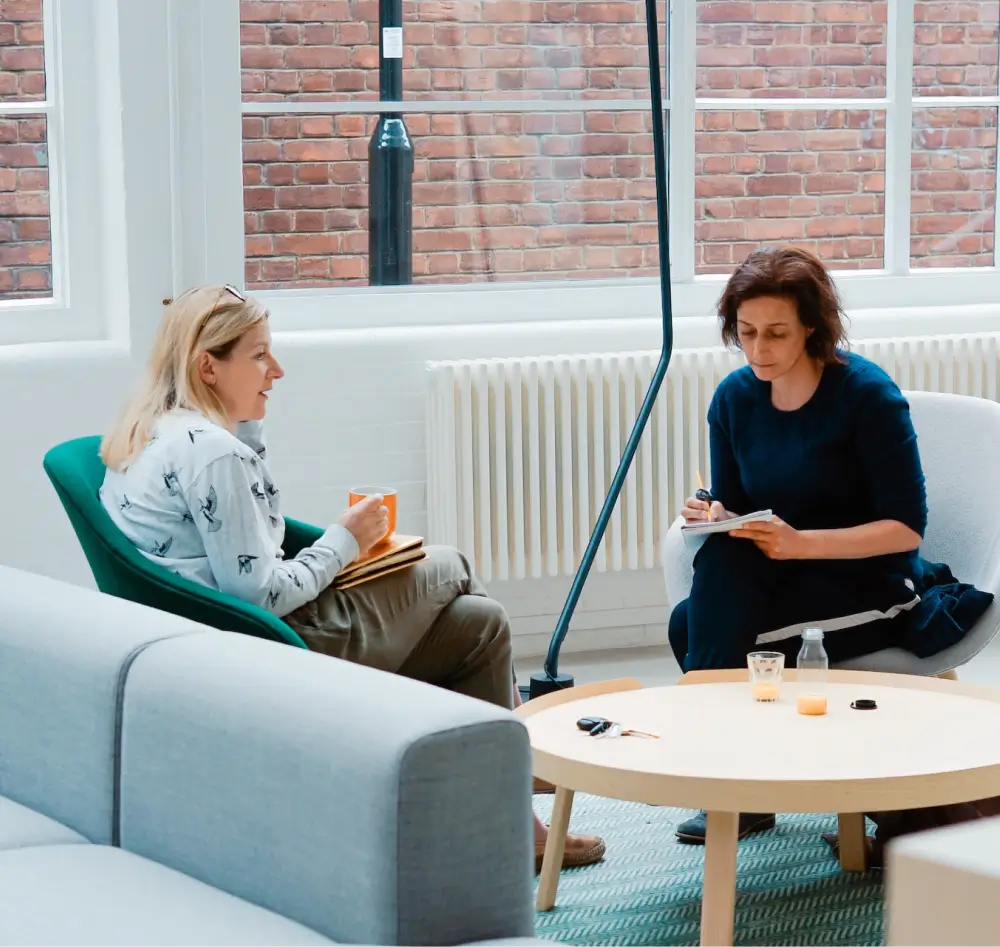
(604, 726)
(588, 723)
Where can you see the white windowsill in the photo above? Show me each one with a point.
(944, 297)
(689, 331)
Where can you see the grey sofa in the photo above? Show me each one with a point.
(165, 783)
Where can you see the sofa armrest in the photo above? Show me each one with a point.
(371, 808)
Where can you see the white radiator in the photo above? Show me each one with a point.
(521, 451)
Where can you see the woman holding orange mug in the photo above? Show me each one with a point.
(188, 483)
(388, 496)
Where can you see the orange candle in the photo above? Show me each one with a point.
(765, 691)
(811, 705)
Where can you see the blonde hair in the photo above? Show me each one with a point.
(204, 319)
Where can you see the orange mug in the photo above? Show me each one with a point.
(357, 494)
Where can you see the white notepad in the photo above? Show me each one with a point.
(725, 526)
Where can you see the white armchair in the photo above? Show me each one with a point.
(959, 440)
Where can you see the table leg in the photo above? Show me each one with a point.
(853, 844)
(555, 845)
(718, 899)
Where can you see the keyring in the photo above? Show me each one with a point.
(603, 727)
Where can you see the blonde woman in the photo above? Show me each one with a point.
(188, 483)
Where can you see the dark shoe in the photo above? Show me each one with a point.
(693, 831)
(874, 859)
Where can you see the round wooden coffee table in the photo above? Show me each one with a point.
(929, 742)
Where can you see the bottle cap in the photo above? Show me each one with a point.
(812, 634)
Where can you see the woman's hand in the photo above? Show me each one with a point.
(696, 511)
(367, 521)
(777, 540)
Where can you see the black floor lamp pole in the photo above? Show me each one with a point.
(550, 679)
(390, 164)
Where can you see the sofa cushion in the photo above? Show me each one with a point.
(95, 894)
(21, 827)
(64, 651)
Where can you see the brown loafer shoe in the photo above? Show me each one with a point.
(542, 786)
(580, 850)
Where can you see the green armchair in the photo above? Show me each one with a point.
(76, 472)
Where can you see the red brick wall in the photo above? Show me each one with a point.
(554, 196)
(496, 196)
(815, 178)
(812, 178)
(25, 249)
(454, 49)
(954, 149)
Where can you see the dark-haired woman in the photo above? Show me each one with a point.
(824, 439)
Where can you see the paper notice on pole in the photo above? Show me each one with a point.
(392, 42)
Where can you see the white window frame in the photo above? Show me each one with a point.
(895, 287)
(77, 107)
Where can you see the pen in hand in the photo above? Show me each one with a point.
(703, 494)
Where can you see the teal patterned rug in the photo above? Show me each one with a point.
(647, 890)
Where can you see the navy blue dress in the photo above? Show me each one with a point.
(847, 457)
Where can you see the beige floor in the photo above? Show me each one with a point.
(656, 666)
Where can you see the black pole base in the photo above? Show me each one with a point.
(542, 684)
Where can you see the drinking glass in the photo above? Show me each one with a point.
(766, 668)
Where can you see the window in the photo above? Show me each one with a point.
(59, 131)
(864, 129)
(954, 149)
(810, 171)
(25, 230)
(531, 132)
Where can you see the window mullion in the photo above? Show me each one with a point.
(445, 106)
(681, 139)
(898, 136)
(58, 236)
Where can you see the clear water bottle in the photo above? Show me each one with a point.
(812, 663)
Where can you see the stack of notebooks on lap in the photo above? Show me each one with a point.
(398, 553)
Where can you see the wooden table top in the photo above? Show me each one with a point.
(929, 742)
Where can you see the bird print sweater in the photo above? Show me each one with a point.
(200, 501)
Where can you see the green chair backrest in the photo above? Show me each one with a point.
(77, 472)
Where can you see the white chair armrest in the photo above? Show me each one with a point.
(677, 555)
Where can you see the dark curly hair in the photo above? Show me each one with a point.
(798, 275)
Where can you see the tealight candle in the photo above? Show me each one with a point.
(812, 705)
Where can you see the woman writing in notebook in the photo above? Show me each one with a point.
(188, 483)
(824, 439)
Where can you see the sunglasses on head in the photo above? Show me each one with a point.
(229, 288)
